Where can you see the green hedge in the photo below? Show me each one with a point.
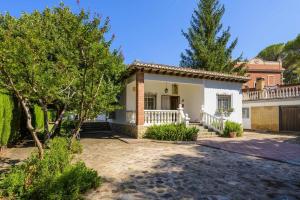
(38, 117)
(54, 177)
(232, 127)
(172, 132)
(6, 118)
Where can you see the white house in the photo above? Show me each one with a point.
(158, 94)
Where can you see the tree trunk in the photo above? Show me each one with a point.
(77, 128)
(28, 115)
(58, 121)
(30, 127)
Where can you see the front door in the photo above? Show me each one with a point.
(174, 102)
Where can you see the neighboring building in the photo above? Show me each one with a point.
(272, 108)
(159, 94)
(269, 71)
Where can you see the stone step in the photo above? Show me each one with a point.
(94, 132)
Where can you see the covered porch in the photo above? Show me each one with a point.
(162, 99)
(152, 99)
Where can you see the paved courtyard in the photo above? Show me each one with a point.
(283, 148)
(150, 170)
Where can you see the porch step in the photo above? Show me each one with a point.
(203, 132)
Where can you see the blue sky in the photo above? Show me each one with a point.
(151, 30)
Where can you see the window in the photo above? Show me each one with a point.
(245, 113)
(224, 102)
(150, 101)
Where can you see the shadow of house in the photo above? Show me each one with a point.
(212, 174)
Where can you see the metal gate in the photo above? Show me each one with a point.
(289, 118)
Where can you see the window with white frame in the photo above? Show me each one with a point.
(150, 101)
(245, 113)
(224, 102)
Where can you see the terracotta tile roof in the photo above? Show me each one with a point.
(185, 71)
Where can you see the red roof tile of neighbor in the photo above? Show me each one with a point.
(185, 71)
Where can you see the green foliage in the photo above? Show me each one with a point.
(60, 58)
(272, 52)
(67, 127)
(76, 147)
(172, 132)
(289, 53)
(38, 117)
(6, 117)
(53, 177)
(208, 43)
(232, 127)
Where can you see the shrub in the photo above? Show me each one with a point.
(76, 147)
(66, 127)
(172, 132)
(53, 177)
(38, 117)
(232, 127)
(6, 117)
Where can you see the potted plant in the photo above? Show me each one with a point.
(232, 129)
(232, 134)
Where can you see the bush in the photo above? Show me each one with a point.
(53, 177)
(76, 147)
(66, 127)
(6, 117)
(172, 132)
(232, 127)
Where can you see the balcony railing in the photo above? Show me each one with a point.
(278, 93)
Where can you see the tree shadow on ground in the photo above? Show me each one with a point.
(7, 163)
(212, 174)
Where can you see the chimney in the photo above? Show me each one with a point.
(260, 84)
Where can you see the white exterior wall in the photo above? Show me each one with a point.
(212, 88)
(131, 96)
(190, 96)
(194, 93)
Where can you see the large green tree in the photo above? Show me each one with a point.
(272, 52)
(209, 46)
(60, 58)
(289, 54)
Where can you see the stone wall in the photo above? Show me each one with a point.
(128, 129)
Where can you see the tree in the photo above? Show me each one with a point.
(289, 54)
(100, 73)
(60, 58)
(291, 60)
(272, 52)
(208, 42)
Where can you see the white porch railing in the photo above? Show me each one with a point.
(212, 122)
(152, 117)
(160, 116)
(282, 92)
(165, 116)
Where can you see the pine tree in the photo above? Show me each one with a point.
(208, 43)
